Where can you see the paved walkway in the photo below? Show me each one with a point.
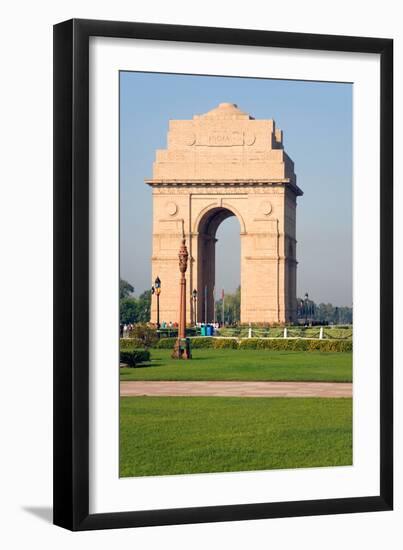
(237, 389)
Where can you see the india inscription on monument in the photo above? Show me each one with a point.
(220, 164)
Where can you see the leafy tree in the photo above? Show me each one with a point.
(128, 310)
(144, 307)
(132, 309)
(125, 289)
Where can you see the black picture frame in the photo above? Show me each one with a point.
(71, 274)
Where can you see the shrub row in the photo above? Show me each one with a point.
(131, 343)
(275, 344)
(225, 343)
(134, 357)
(200, 343)
(297, 344)
(168, 343)
(165, 343)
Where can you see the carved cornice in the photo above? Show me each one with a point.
(231, 183)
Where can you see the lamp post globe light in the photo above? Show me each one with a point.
(194, 296)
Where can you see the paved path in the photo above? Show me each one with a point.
(234, 389)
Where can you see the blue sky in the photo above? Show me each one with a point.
(316, 119)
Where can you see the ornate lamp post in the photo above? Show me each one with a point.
(306, 301)
(194, 296)
(182, 346)
(157, 290)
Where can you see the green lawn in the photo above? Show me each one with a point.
(181, 435)
(228, 364)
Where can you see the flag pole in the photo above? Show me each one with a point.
(205, 305)
(214, 304)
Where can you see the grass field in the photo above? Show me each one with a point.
(180, 435)
(228, 364)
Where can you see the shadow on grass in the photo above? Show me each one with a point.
(160, 363)
(152, 363)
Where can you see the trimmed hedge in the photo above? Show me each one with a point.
(202, 342)
(274, 344)
(225, 343)
(131, 343)
(165, 343)
(134, 357)
(297, 344)
(197, 342)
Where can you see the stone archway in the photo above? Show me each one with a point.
(220, 164)
(206, 228)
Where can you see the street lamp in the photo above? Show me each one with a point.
(306, 301)
(157, 290)
(194, 295)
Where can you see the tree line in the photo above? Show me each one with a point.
(138, 310)
(310, 311)
(328, 313)
(132, 309)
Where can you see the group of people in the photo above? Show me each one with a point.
(125, 329)
(215, 325)
(164, 324)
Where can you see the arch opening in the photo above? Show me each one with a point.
(208, 226)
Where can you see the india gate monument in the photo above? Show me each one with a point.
(220, 164)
